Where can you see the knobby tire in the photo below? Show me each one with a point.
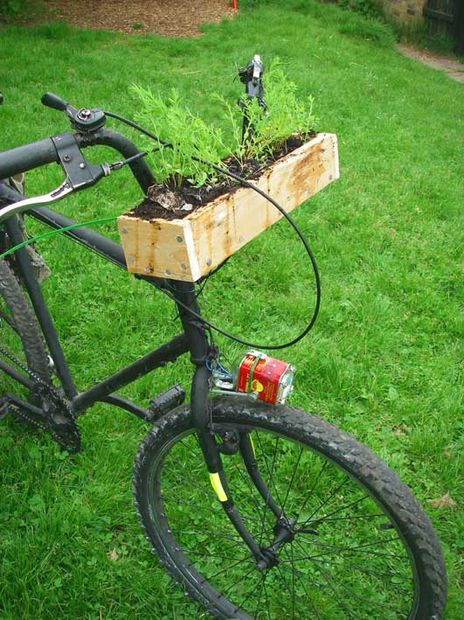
(366, 549)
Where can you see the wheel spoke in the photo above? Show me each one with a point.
(242, 578)
(292, 478)
(325, 502)
(356, 596)
(263, 579)
(263, 520)
(329, 580)
(310, 493)
(267, 600)
(382, 575)
(302, 581)
(228, 568)
(350, 518)
(358, 549)
(322, 519)
(273, 465)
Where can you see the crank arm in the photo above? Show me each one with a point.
(34, 412)
(4, 407)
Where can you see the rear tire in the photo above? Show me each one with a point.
(19, 334)
(367, 550)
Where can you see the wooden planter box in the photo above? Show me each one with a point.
(187, 249)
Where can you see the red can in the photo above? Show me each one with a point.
(269, 378)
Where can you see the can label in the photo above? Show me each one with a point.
(269, 378)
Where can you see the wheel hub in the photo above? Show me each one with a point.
(284, 532)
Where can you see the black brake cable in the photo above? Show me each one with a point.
(281, 210)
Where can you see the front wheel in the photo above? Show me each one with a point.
(358, 545)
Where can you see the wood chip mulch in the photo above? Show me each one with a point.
(173, 18)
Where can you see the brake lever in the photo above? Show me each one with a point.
(80, 174)
(37, 201)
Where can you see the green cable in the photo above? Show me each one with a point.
(57, 231)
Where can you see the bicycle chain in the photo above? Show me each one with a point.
(71, 439)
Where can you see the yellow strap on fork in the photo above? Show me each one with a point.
(217, 486)
(252, 445)
(215, 479)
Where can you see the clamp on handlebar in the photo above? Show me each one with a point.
(79, 175)
(84, 120)
(252, 77)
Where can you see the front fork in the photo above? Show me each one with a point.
(207, 440)
(199, 351)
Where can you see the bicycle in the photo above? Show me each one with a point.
(303, 521)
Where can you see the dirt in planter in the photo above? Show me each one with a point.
(168, 202)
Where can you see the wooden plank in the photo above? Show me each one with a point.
(156, 248)
(436, 14)
(459, 27)
(189, 248)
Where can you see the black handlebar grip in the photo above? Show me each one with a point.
(53, 101)
(27, 157)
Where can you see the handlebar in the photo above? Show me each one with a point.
(27, 157)
(88, 124)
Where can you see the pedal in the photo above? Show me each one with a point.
(164, 402)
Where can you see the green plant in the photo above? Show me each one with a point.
(420, 36)
(190, 137)
(285, 115)
(369, 29)
(13, 9)
(368, 8)
(254, 3)
(268, 129)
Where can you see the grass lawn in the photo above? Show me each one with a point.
(385, 359)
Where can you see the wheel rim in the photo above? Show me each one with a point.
(347, 559)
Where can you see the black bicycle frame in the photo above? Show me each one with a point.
(192, 340)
